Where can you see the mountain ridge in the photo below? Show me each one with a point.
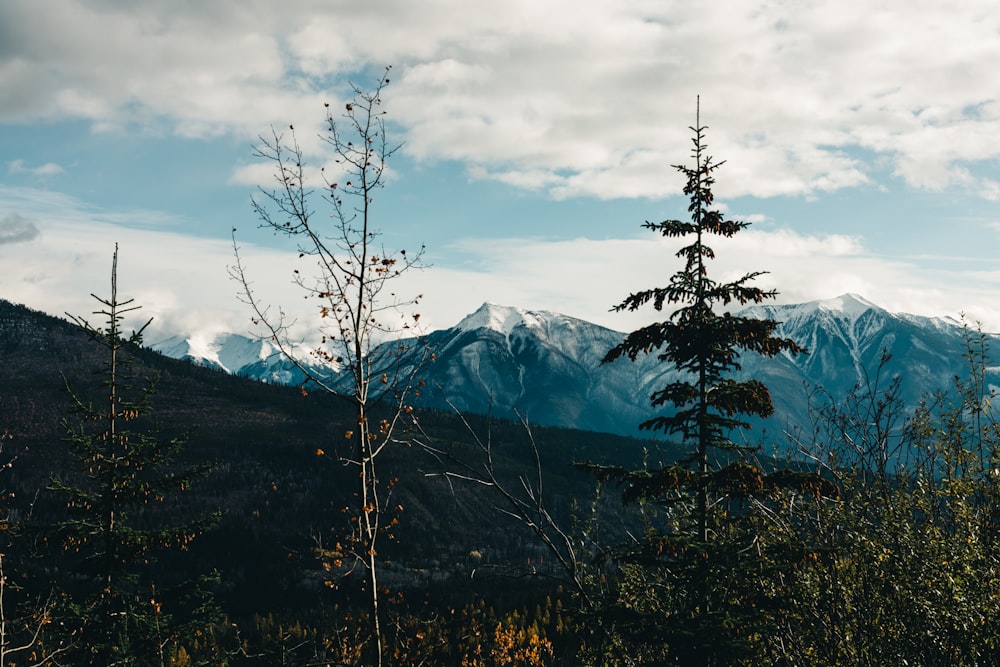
(547, 366)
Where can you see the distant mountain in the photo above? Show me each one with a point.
(847, 338)
(547, 366)
(240, 355)
(544, 365)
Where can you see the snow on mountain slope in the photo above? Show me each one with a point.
(502, 319)
(850, 334)
(228, 352)
(240, 355)
(548, 368)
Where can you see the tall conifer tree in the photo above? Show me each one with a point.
(120, 611)
(701, 407)
(697, 340)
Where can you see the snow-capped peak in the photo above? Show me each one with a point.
(847, 307)
(225, 351)
(502, 319)
(850, 305)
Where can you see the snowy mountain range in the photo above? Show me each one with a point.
(232, 353)
(547, 366)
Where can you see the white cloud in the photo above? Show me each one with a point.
(990, 189)
(256, 174)
(573, 98)
(184, 282)
(563, 98)
(47, 169)
(65, 250)
(585, 278)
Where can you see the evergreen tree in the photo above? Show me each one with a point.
(681, 597)
(698, 341)
(120, 610)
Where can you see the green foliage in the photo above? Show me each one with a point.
(907, 567)
(901, 566)
(885, 553)
(681, 586)
(120, 611)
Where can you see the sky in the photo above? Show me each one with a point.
(861, 139)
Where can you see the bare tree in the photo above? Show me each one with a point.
(348, 279)
(522, 499)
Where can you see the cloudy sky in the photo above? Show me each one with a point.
(862, 141)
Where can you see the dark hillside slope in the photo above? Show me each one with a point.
(276, 495)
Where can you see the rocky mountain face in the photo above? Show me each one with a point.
(849, 340)
(547, 367)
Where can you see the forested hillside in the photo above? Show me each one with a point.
(277, 499)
